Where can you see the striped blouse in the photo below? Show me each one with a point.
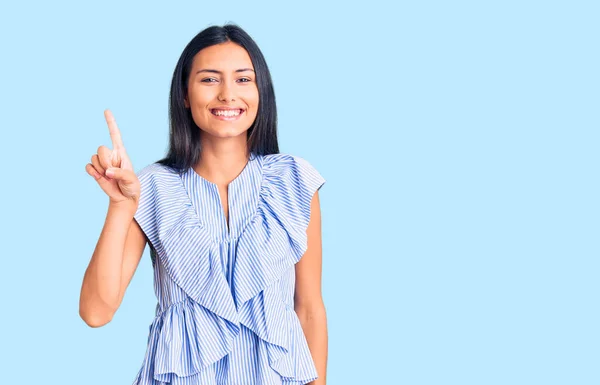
(225, 312)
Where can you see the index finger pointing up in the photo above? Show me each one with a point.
(115, 134)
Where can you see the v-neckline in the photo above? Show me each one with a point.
(251, 158)
(225, 219)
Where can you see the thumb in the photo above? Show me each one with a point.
(118, 174)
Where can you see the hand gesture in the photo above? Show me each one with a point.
(113, 171)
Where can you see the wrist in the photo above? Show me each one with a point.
(125, 208)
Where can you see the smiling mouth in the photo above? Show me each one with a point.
(227, 113)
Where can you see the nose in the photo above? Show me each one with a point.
(226, 92)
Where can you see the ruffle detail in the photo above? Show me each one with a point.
(155, 209)
(272, 243)
(279, 329)
(193, 261)
(276, 237)
(181, 344)
(183, 245)
(183, 341)
(190, 336)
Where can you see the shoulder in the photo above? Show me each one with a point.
(156, 181)
(286, 170)
(290, 183)
(160, 196)
(288, 165)
(152, 170)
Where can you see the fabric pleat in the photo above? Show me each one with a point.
(225, 289)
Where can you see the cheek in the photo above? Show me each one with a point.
(199, 97)
(250, 94)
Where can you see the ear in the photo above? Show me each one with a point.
(185, 101)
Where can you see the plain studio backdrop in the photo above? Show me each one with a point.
(459, 141)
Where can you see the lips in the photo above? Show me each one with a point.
(214, 110)
(227, 117)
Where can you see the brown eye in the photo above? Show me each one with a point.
(206, 80)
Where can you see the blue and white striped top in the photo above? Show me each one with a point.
(225, 312)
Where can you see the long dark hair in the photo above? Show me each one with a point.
(184, 134)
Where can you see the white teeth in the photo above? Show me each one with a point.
(226, 112)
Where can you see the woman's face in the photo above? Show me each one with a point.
(222, 77)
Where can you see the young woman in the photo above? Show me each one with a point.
(233, 228)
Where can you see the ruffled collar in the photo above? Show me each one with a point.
(250, 165)
(242, 195)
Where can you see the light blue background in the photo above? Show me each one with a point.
(459, 141)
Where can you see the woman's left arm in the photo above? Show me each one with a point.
(308, 301)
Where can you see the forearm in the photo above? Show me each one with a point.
(102, 281)
(314, 325)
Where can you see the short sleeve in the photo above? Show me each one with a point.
(145, 215)
(290, 183)
(308, 177)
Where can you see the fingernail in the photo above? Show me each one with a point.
(110, 173)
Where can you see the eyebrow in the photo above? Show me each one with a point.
(219, 72)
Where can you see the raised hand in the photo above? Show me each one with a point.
(113, 170)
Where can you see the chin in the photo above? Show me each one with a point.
(226, 132)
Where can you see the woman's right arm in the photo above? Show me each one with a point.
(113, 264)
(121, 243)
